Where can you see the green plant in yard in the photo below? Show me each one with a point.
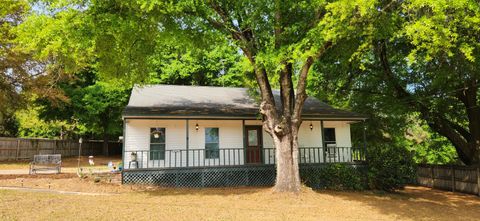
(336, 176)
(343, 177)
(389, 167)
(82, 174)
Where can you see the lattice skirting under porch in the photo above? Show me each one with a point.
(260, 175)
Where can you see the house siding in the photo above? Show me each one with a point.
(230, 137)
(343, 139)
(137, 138)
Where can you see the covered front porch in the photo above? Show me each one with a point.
(172, 143)
(226, 157)
(227, 152)
(232, 166)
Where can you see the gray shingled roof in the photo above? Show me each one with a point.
(213, 102)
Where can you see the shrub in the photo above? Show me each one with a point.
(342, 177)
(389, 167)
(337, 177)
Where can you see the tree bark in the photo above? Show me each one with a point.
(105, 144)
(105, 137)
(469, 98)
(288, 175)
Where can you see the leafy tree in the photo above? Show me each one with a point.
(22, 75)
(443, 83)
(281, 40)
(339, 81)
(102, 105)
(89, 52)
(427, 145)
(418, 59)
(11, 70)
(439, 78)
(93, 107)
(217, 65)
(31, 125)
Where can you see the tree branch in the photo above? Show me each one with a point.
(226, 25)
(286, 90)
(267, 106)
(301, 95)
(435, 120)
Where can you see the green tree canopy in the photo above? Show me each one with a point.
(17, 72)
(417, 60)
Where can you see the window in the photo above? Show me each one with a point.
(211, 143)
(329, 136)
(157, 143)
(252, 138)
(330, 141)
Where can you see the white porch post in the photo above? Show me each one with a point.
(322, 133)
(323, 142)
(187, 142)
(244, 143)
(123, 147)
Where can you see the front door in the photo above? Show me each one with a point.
(254, 144)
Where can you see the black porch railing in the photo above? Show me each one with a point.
(182, 158)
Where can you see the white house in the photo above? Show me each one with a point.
(169, 126)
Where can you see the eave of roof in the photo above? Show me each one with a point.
(130, 114)
(312, 118)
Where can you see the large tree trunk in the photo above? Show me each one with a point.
(283, 124)
(288, 176)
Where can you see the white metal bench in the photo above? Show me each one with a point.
(46, 162)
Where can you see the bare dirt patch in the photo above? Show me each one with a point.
(68, 162)
(37, 176)
(68, 182)
(69, 165)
